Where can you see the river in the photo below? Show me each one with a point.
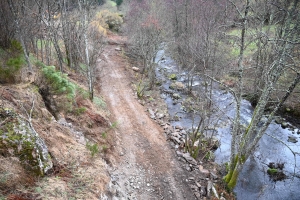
(253, 181)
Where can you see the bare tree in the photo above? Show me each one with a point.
(284, 43)
(145, 28)
(17, 9)
(93, 43)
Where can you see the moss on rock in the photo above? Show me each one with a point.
(17, 139)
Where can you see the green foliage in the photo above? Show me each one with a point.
(59, 82)
(112, 126)
(79, 111)
(104, 148)
(93, 148)
(15, 47)
(173, 77)
(108, 20)
(272, 171)
(83, 93)
(38, 63)
(17, 139)
(99, 102)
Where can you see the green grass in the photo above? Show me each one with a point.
(59, 82)
(93, 148)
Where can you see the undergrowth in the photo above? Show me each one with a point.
(59, 82)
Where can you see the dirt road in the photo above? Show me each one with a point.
(146, 168)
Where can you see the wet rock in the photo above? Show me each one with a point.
(183, 132)
(278, 120)
(176, 96)
(292, 139)
(284, 124)
(178, 127)
(177, 86)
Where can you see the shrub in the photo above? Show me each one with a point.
(59, 82)
(93, 148)
(109, 20)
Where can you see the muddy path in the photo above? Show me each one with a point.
(146, 167)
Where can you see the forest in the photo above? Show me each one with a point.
(249, 49)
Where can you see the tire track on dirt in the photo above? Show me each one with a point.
(147, 168)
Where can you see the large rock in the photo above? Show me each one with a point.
(176, 96)
(18, 138)
(292, 139)
(177, 86)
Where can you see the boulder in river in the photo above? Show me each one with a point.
(177, 86)
(176, 96)
(173, 77)
(292, 139)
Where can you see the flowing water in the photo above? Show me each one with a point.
(253, 182)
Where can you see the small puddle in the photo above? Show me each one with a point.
(253, 182)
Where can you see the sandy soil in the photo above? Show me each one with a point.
(145, 167)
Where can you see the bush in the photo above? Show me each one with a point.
(109, 20)
(93, 148)
(59, 82)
